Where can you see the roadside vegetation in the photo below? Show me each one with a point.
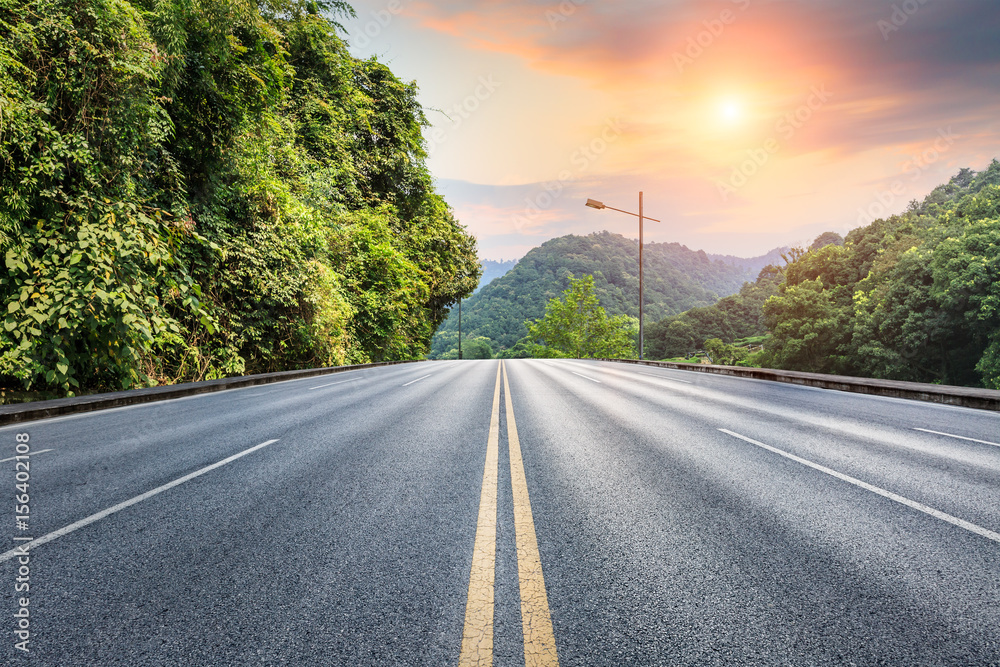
(198, 190)
(576, 326)
(911, 297)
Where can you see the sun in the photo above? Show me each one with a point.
(731, 112)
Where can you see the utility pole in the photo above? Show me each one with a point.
(459, 328)
(640, 275)
(593, 203)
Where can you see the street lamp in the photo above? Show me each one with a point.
(593, 203)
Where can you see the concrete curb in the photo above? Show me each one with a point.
(968, 397)
(24, 412)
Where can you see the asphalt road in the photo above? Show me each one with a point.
(663, 518)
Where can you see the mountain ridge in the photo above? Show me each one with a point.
(493, 269)
(676, 278)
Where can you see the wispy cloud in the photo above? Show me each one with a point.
(698, 87)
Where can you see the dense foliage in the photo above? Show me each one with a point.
(194, 189)
(576, 326)
(493, 269)
(675, 279)
(732, 318)
(912, 297)
(475, 347)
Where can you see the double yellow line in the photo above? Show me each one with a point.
(477, 638)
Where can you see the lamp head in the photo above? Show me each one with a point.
(593, 203)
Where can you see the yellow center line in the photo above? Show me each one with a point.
(477, 637)
(539, 640)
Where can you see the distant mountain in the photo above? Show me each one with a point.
(755, 264)
(676, 279)
(493, 269)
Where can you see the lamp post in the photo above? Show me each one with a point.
(592, 203)
(459, 327)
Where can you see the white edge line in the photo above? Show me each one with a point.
(937, 514)
(104, 411)
(586, 378)
(23, 550)
(329, 385)
(40, 451)
(664, 377)
(950, 435)
(417, 380)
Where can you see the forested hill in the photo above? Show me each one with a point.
(493, 269)
(675, 279)
(910, 297)
(191, 190)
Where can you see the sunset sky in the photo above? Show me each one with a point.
(748, 124)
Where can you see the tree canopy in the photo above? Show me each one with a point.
(575, 325)
(194, 190)
(732, 318)
(913, 297)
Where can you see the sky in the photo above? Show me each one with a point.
(747, 124)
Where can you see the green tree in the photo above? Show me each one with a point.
(911, 297)
(524, 349)
(807, 329)
(477, 347)
(577, 326)
(900, 331)
(724, 353)
(679, 339)
(966, 276)
(190, 190)
(91, 279)
(825, 239)
(474, 347)
(731, 318)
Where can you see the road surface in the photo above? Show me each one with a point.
(556, 512)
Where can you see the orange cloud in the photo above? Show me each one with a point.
(807, 111)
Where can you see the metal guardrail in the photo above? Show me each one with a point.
(969, 397)
(31, 411)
